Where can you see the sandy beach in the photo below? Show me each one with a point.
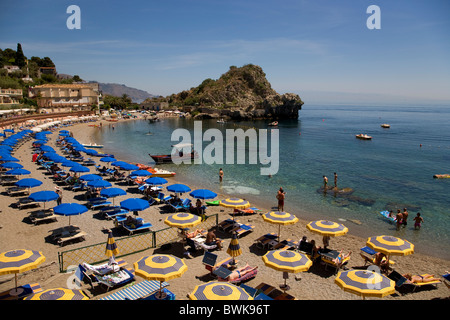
(316, 284)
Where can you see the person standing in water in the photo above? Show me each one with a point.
(281, 195)
(220, 175)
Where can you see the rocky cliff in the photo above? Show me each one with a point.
(240, 93)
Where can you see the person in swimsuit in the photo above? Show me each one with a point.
(405, 217)
(212, 240)
(399, 218)
(339, 260)
(418, 220)
(420, 279)
(281, 195)
(236, 274)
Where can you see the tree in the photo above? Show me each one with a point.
(20, 57)
(77, 78)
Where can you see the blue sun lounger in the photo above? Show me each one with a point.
(137, 291)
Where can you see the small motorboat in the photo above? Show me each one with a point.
(385, 125)
(221, 121)
(275, 123)
(363, 137)
(92, 145)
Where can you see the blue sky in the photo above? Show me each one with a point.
(319, 49)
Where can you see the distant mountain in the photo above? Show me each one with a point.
(115, 89)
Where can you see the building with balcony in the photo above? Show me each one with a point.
(10, 96)
(65, 96)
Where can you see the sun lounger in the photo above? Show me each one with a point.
(273, 292)
(245, 277)
(68, 236)
(108, 279)
(184, 205)
(329, 257)
(41, 216)
(137, 291)
(401, 281)
(27, 203)
(113, 212)
(200, 244)
(6, 181)
(103, 269)
(368, 256)
(243, 212)
(211, 264)
(228, 224)
(13, 191)
(25, 291)
(100, 204)
(263, 241)
(243, 229)
(287, 244)
(307, 249)
(141, 227)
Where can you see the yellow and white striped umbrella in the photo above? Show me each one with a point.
(183, 220)
(218, 290)
(327, 228)
(58, 294)
(390, 245)
(365, 283)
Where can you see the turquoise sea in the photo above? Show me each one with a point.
(393, 170)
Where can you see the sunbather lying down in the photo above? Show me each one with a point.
(421, 279)
(238, 273)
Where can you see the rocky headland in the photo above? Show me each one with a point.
(240, 94)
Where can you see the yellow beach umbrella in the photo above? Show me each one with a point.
(111, 246)
(17, 261)
(287, 261)
(160, 267)
(327, 228)
(280, 218)
(365, 283)
(218, 290)
(58, 294)
(234, 250)
(390, 245)
(183, 220)
(235, 203)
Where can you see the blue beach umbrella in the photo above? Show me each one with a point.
(90, 177)
(178, 188)
(46, 148)
(69, 209)
(203, 194)
(79, 168)
(112, 193)
(28, 183)
(69, 163)
(99, 184)
(156, 181)
(8, 158)
(44, 196)
(141, 173)
(134, 204)
(11, 165)
(107, 159)
(125, 165)
(17, 172)
(64, 131)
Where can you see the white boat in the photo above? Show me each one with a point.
(363, 137)
(221, 121)
(385, 125)
(92, 145)
(275, 123)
